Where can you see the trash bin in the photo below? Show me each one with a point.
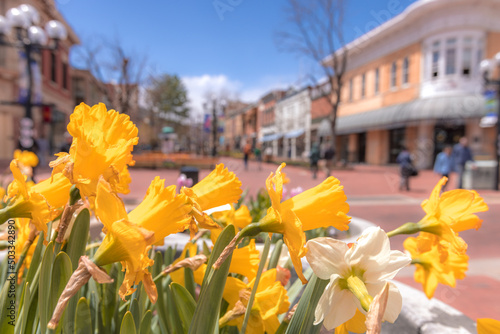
(191, 173)
(479, 174)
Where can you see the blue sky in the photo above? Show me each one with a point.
(213, 45)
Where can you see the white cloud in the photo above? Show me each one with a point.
(201, 87)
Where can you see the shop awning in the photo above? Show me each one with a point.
(294, 133)
(436, 108)
(271, 137)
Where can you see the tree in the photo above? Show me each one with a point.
(168, 99)
(315, 30)
(119, 72)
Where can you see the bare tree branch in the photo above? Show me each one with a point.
(315, 30)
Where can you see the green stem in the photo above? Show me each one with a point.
(263, 260)
(408, 228)
(22, 257)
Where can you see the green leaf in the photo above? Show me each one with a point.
(161, 305)
(35, 259)
(61, 274)
(146, 323)
(185, 304)
(128, 325)
(189, 281)
(83, 319)
(275, 255)
(297, 286)
(21, 319)
(108, 301)
(44, 287)
(303, 318)
(206, 314)
(78, 237)
(134, 310)
(263, 260)
(173, 316)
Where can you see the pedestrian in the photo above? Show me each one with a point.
(246, 153)
(258, 155)
(314, 157)
(461, 154)
(406, 168)
(269, 153)
(444, 163)
(328, 156)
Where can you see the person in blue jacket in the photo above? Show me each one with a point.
(444, 163)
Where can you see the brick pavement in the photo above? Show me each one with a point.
(373, 194)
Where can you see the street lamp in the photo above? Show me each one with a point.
(488, 70)
(30, 39)
(217, 105)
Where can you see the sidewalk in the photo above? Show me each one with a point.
(372, 192)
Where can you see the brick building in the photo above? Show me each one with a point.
(55, 86)
(415, 81)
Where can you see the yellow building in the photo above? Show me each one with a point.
(415, 81)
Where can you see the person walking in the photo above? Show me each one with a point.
(406, 168)
(461, 154)
(258, 155)
(246, 153)
(314, 157)
(329, 155)
(444, 163)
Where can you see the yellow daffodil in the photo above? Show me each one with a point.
(356, 275)
(218, 188)
(102, 147)
(270, 300)
(26, 237)
(41, 202)
(245, 261)
(26, 158)
(355, 325)
(321, 206)
(488, 326)
(129, 237)
(447, 214)
(239, 218)
(436, 261)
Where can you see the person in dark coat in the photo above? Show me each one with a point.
(314, 159)
(461, 154)
(405, 168)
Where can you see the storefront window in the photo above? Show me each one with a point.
(451, 55)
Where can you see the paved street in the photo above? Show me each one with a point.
(373, 195)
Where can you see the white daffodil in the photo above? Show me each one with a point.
(357, 273)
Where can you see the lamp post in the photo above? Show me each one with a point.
(217, 105)
(30, 39)
(488, 70)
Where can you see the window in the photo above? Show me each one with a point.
(435, 60)
(53, 59)
(451, 53)
(363, 85)
(65, 76)
(377, 80)
(350, 90)
(406, 70)
(394, 70)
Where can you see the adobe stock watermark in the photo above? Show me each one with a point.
(223, 6)
(394, 8)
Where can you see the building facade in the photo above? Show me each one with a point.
(293, 122)
(269, 135)
(415, 81)
(54, 82)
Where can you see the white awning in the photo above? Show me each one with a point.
(294, 133)
(271, 137)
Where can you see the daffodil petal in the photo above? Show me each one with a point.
(326, 257)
